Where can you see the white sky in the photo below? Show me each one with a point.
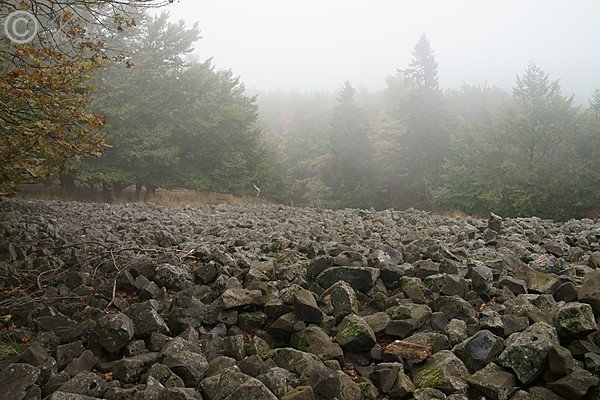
(317, 44)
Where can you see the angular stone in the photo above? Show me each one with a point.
(69, 396)
(300, 393)
(314, 340)
(443, 371)
(306, 308)
(173, 277)
(542, 393)
(232, 384)
(354, 334)
(482, 278)
(146, 319)
(232, 298)
(526, 353)
(292, 359)
(407, 319)
(560, 360)
(17, 380)
(342, 298)
(479, 350)
(233, 346)
(453, 307)
(589, 292)
(575, 385)
(429, 394)
(83, 363)
(575, 320)
(456, 331)
(517, 286)
(190, 367)
(330, 384)
(66, 353)
(377, 321)
(114, 331)
(390, 379)
(86, 384)
(279, 381)
(130, 369)
(538, 282)
(494, 382)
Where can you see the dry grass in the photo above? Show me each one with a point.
(170, 198)
(457, 214)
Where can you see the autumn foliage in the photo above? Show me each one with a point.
(45, 87)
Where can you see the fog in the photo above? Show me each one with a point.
(318, 44)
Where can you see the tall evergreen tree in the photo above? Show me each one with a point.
(348, 168)
(414, 99)
(423, 69)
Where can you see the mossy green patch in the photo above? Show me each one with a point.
(430, 377)
(350, 330)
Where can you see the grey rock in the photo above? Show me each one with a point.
(173, 277)
(575, 385)
(442, 371)
(342, 298)
(130, 369)
(575, 320)
(479, 350)
(189, 366)
(17, 381)
(114, 331)
(86, 384)
(314, 340)
(526, 353)
(407, 319)
(306, 308)
(232, 298)
(354, 334)
(494, 382)
(590, 291)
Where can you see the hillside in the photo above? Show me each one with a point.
(139, 301)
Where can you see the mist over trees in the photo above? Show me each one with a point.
(476, 149)
(160, 118)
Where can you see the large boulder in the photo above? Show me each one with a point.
(442, 371)
(590, 291)
(18, 381)
(479, 350)
(526, 353)
(343, 299)
(494, 382)
(354, 334)
(574, 320)
(114, 331)
(314, 340)
(232, 298)
(406, 319)
(306, 307)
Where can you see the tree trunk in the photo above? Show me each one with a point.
(67, 182)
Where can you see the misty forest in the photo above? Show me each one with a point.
(169, 230)
(159, 118)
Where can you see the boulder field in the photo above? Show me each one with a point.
(266, 302)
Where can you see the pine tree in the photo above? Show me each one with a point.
(415, 100)
(348, 167)
(423, 68)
